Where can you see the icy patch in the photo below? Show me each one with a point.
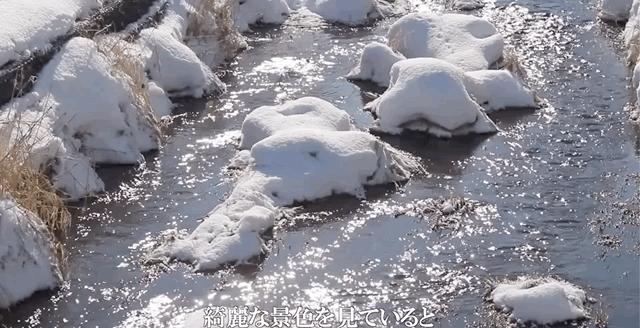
(469, 42)
(429, 95)
(615, 10)
(303, 113)
(352, 12)
(27, 259)
(541, 301)
(498, 89)
(30, 25)
(375, 64)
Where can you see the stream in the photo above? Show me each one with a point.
(555, 193)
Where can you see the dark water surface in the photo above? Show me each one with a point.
(554, 193)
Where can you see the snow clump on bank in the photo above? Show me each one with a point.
(27, 257)
(311, 154)
(541, 301)
(472, 43)
(429, 95)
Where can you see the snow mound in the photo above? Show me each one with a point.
(175, 67)
(27, 259)
(467, 4)
(615, 10)
(469, 42)
(30, 25)
(375, 64)
(631, 33)
(498, 89)
(250, 12)
(542, 301)
(352, 12)
(429, 95)
(303, 113)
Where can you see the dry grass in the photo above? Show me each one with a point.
(215, 18)
(127, 64)
(29, 186)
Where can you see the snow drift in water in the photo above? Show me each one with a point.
(27, 259)
(429, 95)
(375, 64)
(315, 155)
(250, 12)
(303, 113)
(469, 42)
(352, 12)
(542, 301)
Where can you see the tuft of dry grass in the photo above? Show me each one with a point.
(127, 64)
(28, 186)
(215, 18)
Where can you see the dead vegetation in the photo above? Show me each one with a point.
(127, 64)
(28, 186)
(214, 18)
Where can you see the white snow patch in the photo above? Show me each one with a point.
(469, 42)
(352, 12)
(250, 12)
(543, 301)
(498, 89)
(429, 95)
(30, 25)
(303, 113)
(27, 259)
(615, 10)
(375, 64)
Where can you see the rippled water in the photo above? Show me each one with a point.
(555, 193)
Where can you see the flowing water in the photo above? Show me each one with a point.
(553, 194)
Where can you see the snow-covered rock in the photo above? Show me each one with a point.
(469, 42)
(498, 89)
(615, 10)
(27, 258)
(352, 12)
(175, 67)
(29, 25)
(542, 301)
(303, 113)
(250, 12)
(631, 33)
(375, 64)
(429, 95)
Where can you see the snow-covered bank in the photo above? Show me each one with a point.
(470, 42)
(631, 37)
(541, 301)
(27, 258)
(30, 25)
(301, 151)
